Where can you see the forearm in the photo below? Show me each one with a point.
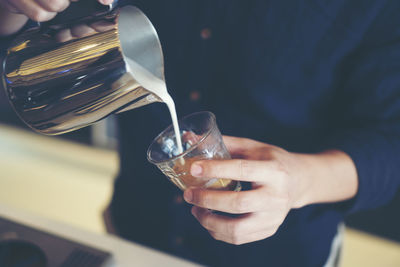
(330, 176)
(10, 22)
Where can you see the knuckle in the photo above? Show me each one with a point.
(232, 230)
(265, 153)
(236, 241)
(272, 152)
(196, 198)
(248, 141)
(235, 230)
(241, 204)
(243, 168)
(201, 198)
(57, 5)
(40, 15)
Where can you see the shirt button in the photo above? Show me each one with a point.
(205, 33)
(178, 199)
(194, 96)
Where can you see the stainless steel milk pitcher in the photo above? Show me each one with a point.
(71, 71)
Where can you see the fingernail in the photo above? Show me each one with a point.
(188, 195)
(196, 170)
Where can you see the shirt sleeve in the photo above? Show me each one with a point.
(370, 114)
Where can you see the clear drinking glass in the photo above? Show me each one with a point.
(201, 140)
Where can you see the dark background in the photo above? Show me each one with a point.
(383, 221)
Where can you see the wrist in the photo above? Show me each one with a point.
(304, 181)
(325, 177)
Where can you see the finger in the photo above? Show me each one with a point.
(102, 26)
(190, 137)
(237, 146)
(53, 5)
(243, 239)
(225, 225)
(82, 30)
(236, 142)
(64, 36)
(235, 169)
(106, 2)
(33, 10)
(244, 229)
(228, 201)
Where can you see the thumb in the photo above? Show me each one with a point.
(106, 2)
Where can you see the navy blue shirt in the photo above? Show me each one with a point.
(305, 75)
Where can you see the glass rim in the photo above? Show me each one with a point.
(187, 151)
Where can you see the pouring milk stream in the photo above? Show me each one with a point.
(157, 87)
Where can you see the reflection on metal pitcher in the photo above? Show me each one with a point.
(64, 75)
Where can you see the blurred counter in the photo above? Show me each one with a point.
(72, 183)
(54, 178)
(124, 253)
